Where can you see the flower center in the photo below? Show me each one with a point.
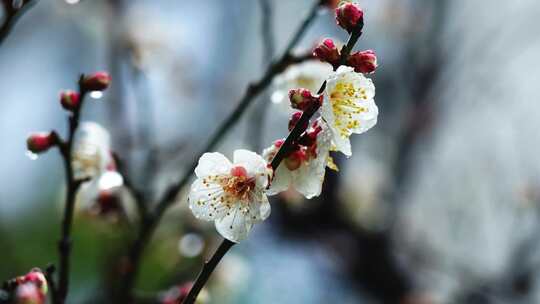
(345, 99)
(237, 185)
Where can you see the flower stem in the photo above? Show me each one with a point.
(64, 244)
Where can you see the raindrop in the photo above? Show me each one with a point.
(32, 155)
(96, 94)
(191, 245)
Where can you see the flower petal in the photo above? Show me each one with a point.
(207, 200)
(282, 180)
(213, 164)
(235, 226)
(254, 164)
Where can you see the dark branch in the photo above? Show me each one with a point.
(12, 15)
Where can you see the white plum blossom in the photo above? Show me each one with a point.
(348, 106)
(308, 75)
(92, 160)
(91, 154)
(304, 169)
(231, 194)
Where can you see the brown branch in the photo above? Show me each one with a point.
(64, 244)
(294, 135)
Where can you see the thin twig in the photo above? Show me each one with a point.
(12, 15)
(294, 135)
(64, 245)
(151, 220)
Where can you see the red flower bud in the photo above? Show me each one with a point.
(300, 99)
(36, 277)
(70, 100)
(29, 293)
(41, 142)
(363, 62)
(327, 51)
(295, 159)
(99, 81)
(295, 118)
(278, 143)
(349, 16)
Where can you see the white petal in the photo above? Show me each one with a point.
(368, 118)
(204, 200)
(213, 164)
(342, 144)
(281, 181)
(264, 209)
(235, 226)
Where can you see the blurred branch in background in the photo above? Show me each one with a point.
(257, 119)
(13, 10)
(150, 221)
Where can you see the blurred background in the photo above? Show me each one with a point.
(438, 204)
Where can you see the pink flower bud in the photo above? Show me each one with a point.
(300, 99)
(295, 118)
(29, 293)
(349, 16)
(70, 100)
(327, 51)
(363, 62)
(99, 81)
(278, 143)
(41, 142)
(295, 159)
(36, 277)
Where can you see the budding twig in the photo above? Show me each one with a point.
(151, 219)
(64, 245)
(294, 135)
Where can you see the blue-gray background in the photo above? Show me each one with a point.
(439, 203)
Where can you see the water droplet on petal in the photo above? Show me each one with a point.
(96, 94)
(32, 155)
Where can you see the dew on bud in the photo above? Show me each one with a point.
(191, 245)
(96, 94)
(31, 155)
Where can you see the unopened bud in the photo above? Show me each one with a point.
(295, 159)
(300, 99)
(327, 51)
(37, 277)
(28, 293)
(99, 81)
(70, 100)
(363, 62)
(295, 118)
(41, 142)
(349, 16)
(278, 143)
